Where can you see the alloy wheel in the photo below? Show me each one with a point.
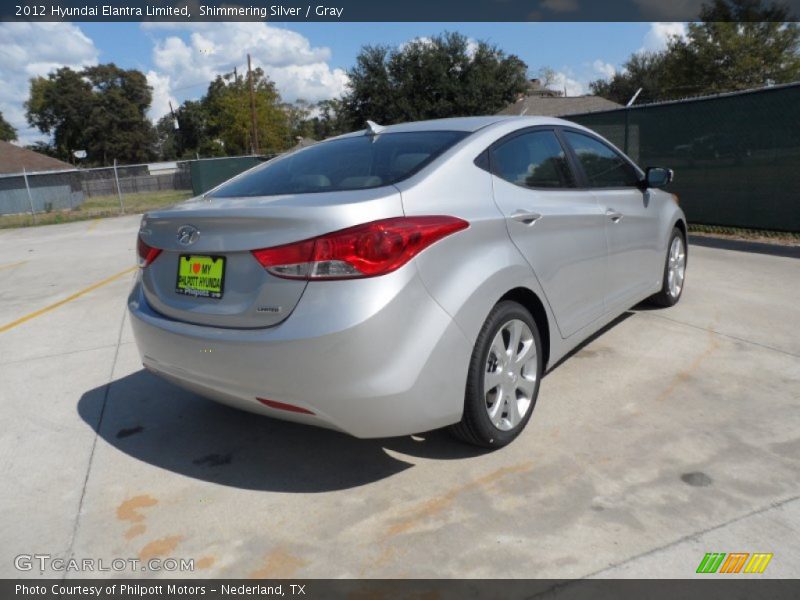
(509, 380)
(676, 267)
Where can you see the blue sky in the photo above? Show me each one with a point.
(306, 60)
(548, 43)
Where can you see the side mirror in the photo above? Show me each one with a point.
(658, 177)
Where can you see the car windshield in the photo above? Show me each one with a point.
(350, 163)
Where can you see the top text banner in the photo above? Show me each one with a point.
(359, 10)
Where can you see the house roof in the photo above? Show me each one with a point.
(558, 106)
(14, 159)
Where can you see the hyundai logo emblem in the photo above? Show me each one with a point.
(187, 235)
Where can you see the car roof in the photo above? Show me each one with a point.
(467, 124)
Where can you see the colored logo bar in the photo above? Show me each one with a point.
(734, 562)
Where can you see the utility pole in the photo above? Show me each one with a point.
(254, 139)
(174, 116)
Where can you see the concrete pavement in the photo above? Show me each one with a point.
(674, 433)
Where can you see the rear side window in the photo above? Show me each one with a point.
(534, 160)
(603, 166)
(351, 163)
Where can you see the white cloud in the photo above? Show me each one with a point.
(161, 85)
(604, 69)
(472, 45)
(659, 34)
(299, 69)
(33, 49)
(566, 81)
(576, 82)
(422, 39)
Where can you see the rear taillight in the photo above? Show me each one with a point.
(365, 250)
(145, 254)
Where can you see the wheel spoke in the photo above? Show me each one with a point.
(515, 333)
(526, 386)
(492, 379)
(498, 347)
(496, 409)
(513, 411)
(528, 352)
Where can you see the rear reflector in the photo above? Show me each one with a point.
(366, 250)
(145, 254)
(284, 406)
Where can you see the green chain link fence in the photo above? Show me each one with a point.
(736, 156)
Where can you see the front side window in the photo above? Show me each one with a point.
(534, 160)
(351, 163)
(603, 166)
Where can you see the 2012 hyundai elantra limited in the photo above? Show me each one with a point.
(404, 278)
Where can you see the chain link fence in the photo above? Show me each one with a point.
(76, 194)
(736, 156)
(60, 196)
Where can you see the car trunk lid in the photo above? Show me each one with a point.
(230, 228)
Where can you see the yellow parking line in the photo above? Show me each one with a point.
(41, 311)
(12, 265)
(93, 224)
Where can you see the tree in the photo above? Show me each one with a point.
(645, 70)
(739, 44)
(547, 76)
(43, 148)
(7, 131)
(194, 135)
(220, 123)
(299, 119)
(167, 138)
(227, 106)
(118, 126)
(190, 138)
(331, 119)
(58, 106)
(100, 109)
(444, 76)
(371, 92)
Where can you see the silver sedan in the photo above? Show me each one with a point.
(404, 278)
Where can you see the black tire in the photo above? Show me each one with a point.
(476, 426)
(664, 297)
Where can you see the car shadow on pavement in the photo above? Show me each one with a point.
(626, 315)
(163, 425)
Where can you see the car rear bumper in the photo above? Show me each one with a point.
(371, 357)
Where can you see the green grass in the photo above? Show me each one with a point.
(98, 207)
(746, 234)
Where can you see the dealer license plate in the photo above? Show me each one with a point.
(201, 276)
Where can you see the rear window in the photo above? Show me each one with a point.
(351, 163)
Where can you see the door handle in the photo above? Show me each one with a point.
(527, 217)
(614, 215)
